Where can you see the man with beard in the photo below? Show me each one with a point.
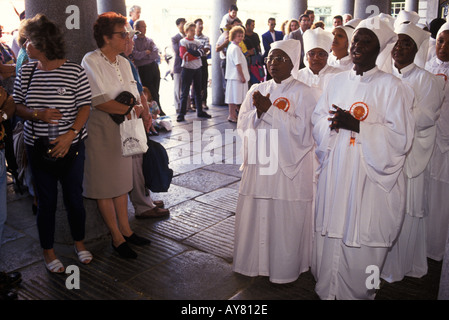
(363, 129)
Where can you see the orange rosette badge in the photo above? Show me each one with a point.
(359, 110)
(282, 103)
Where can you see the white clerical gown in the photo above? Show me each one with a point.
(438, 182)
(344, 64)
(360, 199)
(317, 81)
(273, 228)
(408, 257)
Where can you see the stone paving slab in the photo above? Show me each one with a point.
(203, 180)
(217, 240)
(190, 218)
(192, 275)
(225, 198)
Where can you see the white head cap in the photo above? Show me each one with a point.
(444, 27)
(292, 48)
(353, 23)
(381, 29)
(404, 16)
(413, 31)
(348, 30)
(317, 38)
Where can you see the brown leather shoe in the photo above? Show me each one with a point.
(159, 203)
(154, 213)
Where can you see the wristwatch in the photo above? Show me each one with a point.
(74, 130)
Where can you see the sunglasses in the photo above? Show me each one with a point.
(129, 34)
(275, 58)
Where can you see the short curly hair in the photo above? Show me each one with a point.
(45, 36)
(104, 26)
(233, 32)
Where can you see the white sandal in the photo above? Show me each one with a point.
(55, 266)
(85, 257)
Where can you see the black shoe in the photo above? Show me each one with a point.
(180, 118)
(135, 239)
(8, 295)
(125, 251)
(204, 115)
(9, 280)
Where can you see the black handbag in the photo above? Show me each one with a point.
(157, 174)
(44, 161)
(127, 98)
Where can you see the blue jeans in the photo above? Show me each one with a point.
(187, 76)
(2, 192)
(46, 185)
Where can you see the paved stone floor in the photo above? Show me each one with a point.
(190, 257)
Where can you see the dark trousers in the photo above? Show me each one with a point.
(204, 81)
(46, 188)
(187, 77)
(150, 76)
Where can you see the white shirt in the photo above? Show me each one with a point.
(107, 80)
(234, 57)
(361, 187)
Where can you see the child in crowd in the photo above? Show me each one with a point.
(154, 110)
(228, 18)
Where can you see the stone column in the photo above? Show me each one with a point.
(412, 5)
(296, 8)
(367, 8)
(75, 17)
(346, 6)
(118, 6)
(219, 9)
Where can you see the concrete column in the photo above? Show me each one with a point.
(219, 9)
(412, 5)
(296, 8)
(346, 6)
(118, 6)
(75, 17)
(367, 8)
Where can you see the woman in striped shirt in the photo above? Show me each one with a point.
(54, 95)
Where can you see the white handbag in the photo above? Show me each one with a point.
(133, 136)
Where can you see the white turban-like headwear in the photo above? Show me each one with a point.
(444, 27)
(413, 31)
(404, 16)
(292, 48)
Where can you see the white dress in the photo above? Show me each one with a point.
(438, 182)
(407, 257)
(273, 229)
(360, 199)
(344, 64)
(235, 89)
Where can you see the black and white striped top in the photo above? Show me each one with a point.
(65, 88)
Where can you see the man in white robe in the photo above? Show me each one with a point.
(437, 187)
(317, 44)
(360, 198)
(273, 227)
(408, 256)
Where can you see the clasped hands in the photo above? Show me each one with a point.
(261, 102)
(343, 120)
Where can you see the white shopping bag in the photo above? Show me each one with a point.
(133, 136)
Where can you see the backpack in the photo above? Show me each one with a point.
(156, 172)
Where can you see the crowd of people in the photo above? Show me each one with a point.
(357, 117)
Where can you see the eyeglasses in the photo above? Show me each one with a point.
(320, 54)
(275, 58)
(123, 34)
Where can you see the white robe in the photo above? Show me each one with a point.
(361, 188)
(437, 208)
(317, 81)
(273, 228)
(344, 64)
(407, 257)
